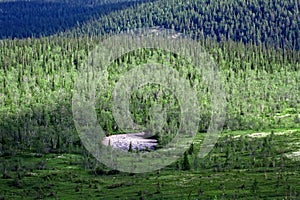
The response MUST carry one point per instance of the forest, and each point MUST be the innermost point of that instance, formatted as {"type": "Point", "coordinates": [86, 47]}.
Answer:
{"type": "Point", "coordinates": [255, 45]}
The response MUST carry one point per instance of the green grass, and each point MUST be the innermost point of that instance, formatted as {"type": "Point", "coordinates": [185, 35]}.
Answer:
{"type": "Point", "coordinates": [65, 176]}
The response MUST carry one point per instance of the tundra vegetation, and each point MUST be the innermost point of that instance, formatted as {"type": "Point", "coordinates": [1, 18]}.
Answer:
{"type": "Point", "coordinates": [255, 45]}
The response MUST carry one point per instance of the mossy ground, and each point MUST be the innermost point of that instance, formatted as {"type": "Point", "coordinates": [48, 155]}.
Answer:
{"type": "Point", "coordinates": [237, 168]}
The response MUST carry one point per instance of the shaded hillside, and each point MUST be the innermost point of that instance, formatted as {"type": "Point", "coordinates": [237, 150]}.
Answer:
{"type": "Point", "coordinates": [21, 19]}
{"type": "Point", "coordinates": [272, 22]}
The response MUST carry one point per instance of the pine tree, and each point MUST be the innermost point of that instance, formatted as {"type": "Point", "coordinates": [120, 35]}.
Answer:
{"type": "Point", "coordinates": [191, 149]}
{"type": "Point", "coordinates": [130, 147]}
{"type": "Point", "coordinates": [186, 163]}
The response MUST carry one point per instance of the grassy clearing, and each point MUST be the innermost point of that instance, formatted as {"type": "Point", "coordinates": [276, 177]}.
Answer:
{"type": "Point", "coordinates": [238, 168]}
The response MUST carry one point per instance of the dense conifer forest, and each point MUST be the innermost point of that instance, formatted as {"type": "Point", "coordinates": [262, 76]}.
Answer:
{"type": "Point", "coordinates": [255, 45]}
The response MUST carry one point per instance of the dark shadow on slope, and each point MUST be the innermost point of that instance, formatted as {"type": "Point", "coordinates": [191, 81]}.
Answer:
{"type": "Point", "coordinates": [21, 19]}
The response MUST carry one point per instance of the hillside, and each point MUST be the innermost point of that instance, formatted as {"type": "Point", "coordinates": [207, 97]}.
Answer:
{"type": "Point", "coordinates": [22, 19]}
{"type": "Point", "coordinates": [255, 45]}
{"type": "Point", "coordinates": [272, 22]}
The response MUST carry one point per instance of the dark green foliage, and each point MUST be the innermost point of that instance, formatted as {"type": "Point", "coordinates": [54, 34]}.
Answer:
{"type": "Point", "coordinates": [191, 149]}
{"type": "Point", "coordinates": [63, 174]}
{"type": "Point", "coordinates": [23, 19]}
{"type": "Point", "coordinates": [271, 23]}
{"type": "Point", "coordinates": [255, 45]}
{"type": "Point", "coordinates": [254, 186]}
{"type": "Point", "coordinates": [186, 163]}
{"type": "Point", "coordinates": [130, 147]}
{"type": "Point", "coordinates": [255, 78]}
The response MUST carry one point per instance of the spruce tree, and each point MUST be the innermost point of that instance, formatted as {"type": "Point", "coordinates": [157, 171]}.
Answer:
{"type": "Point", "coordinates": [130, 147]}
{"type": "Point", "coordinates": [186, 163]}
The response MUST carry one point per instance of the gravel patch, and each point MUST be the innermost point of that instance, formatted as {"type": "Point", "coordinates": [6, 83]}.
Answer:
{"type": "Point", "coordinates": [294, 155]}
{"type": "Point", "coordinates": [137, 140]}
{"type": "Point", "coordinates": [265, 134]}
